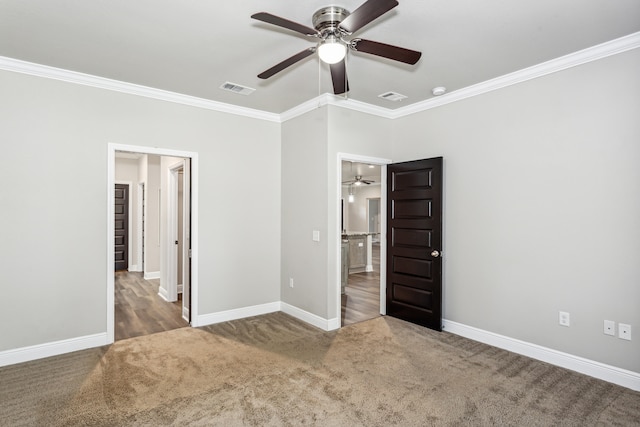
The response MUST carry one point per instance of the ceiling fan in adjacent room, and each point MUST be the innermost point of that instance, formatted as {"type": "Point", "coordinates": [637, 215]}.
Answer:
{"type": "Point", "coordinates": [358, 181]}
{"type": "Point", "coordinates": [333, 27]}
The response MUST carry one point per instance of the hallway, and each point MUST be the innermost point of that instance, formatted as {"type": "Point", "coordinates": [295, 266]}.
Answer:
{"type": "Point", "coordinates": [361, 300]}
{"type": "Point", "coordinates": [139, 310]}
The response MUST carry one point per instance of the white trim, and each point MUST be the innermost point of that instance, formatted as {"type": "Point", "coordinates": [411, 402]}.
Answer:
{"type": "Point", "coordinates": [171, 249]}
{"type": "Point", "coordinates": [139, 228]}
{"type": "Point", "coordinates": [237, 313]}
{"type": "Point", "coordinates": [11, 64]}
{"type": "Point", "coordinates": [40, 351]}
{"type": "Point", "coordinates": [592, 368]}
{"type": "Point", "coordinates": [163, 293]}
{"type": "Point", "coordinates": [594, 53]}
{"type": "Point", "coordinates": [383, 227]}
{"type": "Point", "coordinates": [150, 275]}
{"type": "Point", "coordinates": [111, 152]}
{"type": "Point", "coordinates": [111, 174]}
{"type": "Point", "coordinates": [133, 267]}
{"type": "Point", "coordinates": [310, 318]}
{"type": "Point", "coordinates": [339, 101]}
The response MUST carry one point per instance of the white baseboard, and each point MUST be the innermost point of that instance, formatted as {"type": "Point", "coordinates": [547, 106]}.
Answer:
{"type": "Point", "coordinates": [26, 354]}
{"type": "Point", "coordinates": [185, 313]}
{"type": "Point", "coordinates": [237, 313]}
{"type": "Point", "coordinates": [150, 275]}
{"type": "Point", "coordinates": [133, 268]}
{"type": "Point", "coordinates": [163, 293]}
{"type": "Point", "coordinates": [180, 288]}
{"type": "Point", "coordinates": [312, 319]}
{"type": "Point", "coordinates": [592, 368]}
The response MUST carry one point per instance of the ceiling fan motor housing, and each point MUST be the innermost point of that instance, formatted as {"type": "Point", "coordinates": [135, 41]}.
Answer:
{"type": "Point", "coordinates": [326, 20]}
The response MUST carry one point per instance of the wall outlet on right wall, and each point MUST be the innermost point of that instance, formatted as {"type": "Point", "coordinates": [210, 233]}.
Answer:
{"type": "Point", "coordinates": [564, 318]}
{"type": "Point", "coordinates": [624, 331]}
{"type": "Point", "coordinates": [610, 327]}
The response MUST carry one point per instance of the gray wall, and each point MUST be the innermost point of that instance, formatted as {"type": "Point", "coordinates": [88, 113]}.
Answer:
{"type": "Point", "coordinates": [310, 199]}
{"type": "Point", "coordinates": [152, 219]}
{"type": "Point", "coordinates": [304, 209]}
{"type": "Point", "coordinates": [55, 202]}
{"type": "Point", "coordinates": [542, 206]}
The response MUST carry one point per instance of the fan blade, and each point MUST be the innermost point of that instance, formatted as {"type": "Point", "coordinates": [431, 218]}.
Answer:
{"type": "Point", "coordinates": [287, 63]}
{"type": "Point", "coordinates": [367, 12]}
{"type": "Point", "coordinates": [386, 51]}
{"type": "Point", "coordinates": [284, 23]}
{"type": "Point", "coordinates": [339, 77]}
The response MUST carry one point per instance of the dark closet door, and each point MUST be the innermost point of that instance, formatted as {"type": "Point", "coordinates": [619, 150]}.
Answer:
{"type": "Point", "coordinates": [121, 227]}
{"type": "Point", "coordinates": [414, 242]}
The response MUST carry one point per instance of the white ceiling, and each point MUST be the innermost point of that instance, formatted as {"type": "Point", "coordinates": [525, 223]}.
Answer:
{"type": "Point", "coordinates": [192, 47]}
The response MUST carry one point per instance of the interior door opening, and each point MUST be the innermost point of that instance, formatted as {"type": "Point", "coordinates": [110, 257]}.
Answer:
{"type": "Point", "coordinates": [138, 302]}
{"type": "Point", "coordinates": [361, 271]}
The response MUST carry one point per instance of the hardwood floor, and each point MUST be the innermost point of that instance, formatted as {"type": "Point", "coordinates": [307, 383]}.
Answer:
{"type": "Point", "coordinates": [361, 300]}
{"type": "Point", "coordinates": [139, 310]}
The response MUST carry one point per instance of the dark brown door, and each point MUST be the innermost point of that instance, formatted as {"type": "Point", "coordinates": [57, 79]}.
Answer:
{"type": "Point", "coordinates": [121, 227]}
{"type": "Point", "coordinates": [414, 242]}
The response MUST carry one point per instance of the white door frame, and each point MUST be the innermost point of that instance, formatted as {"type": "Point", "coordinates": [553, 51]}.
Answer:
{"type": "Point", "coordinates": [186, 239]}
{"type": "Point", "coordinates": [111, 155]}
{"type": "Point", "coordinates": [383, 227]}
{"type": "Point", "coordinates": [170, 281]}
{"type": "Point", "coordinates": [142, 213]}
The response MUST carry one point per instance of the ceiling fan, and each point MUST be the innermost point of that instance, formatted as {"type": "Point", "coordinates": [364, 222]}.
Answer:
{"type": "Point", "coordinates": [333, 26]}
{"type": "Point", "coordinates": [358, 181]}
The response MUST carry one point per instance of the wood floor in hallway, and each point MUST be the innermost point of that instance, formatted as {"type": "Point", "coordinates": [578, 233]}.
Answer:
{"type": "Point", "coordinates": [361, 300]}
{"type": "Point", "coordinates": [139, 310]}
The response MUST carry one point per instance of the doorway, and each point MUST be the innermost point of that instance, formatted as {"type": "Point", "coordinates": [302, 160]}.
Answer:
{"type": "Point", "coordinates": [157, 235]}
{"type": "Point", "coordinates": [361, 284]}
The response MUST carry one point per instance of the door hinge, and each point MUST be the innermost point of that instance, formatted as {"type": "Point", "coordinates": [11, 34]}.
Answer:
{"type": "Point", "coordinates": [189, 253]}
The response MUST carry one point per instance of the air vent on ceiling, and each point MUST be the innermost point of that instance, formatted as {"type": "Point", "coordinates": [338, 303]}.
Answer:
{"type": "Point", "coordinates": [232, 87]}
{"type": "Point", "coordinates": [392, 96]}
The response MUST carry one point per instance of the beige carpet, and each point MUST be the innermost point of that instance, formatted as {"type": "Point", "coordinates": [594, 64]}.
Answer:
{"type": "Point", "coordinates": [274, 370]}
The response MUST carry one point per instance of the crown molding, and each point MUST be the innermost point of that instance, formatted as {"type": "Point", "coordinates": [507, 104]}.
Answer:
{"type": "Point", "coordinates": [338, 101]}
{"type": "Point", "coordinates": [305, 107]}
{"type": "Point", "coordinates": [613, 47]}
{"type": "Point", "coordinates": [24, 67]}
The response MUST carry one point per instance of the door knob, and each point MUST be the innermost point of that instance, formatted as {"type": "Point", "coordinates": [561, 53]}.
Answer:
{"type": "Point", "coordinates": [435, 254]}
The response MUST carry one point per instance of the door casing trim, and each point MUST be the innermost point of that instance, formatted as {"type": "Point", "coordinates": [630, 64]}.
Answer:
{"type": "Point", "coordinates": [111, 155]}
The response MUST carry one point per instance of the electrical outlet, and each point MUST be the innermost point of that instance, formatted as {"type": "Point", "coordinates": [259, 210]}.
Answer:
{"type": "Point", "coordinates": [610, 327]}
{"type": "Point", "coordinates": [624, 331]}
{"type": "Point", "coordinates": [564, 318]}
{"type": "Point", "coordinates": [291, 282]}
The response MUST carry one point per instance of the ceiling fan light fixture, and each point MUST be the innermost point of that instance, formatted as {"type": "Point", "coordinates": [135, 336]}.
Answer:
{"type": "Point", "coordinates": [351, 198]}
{"type": "Point", "coordinates": [331, 50]}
